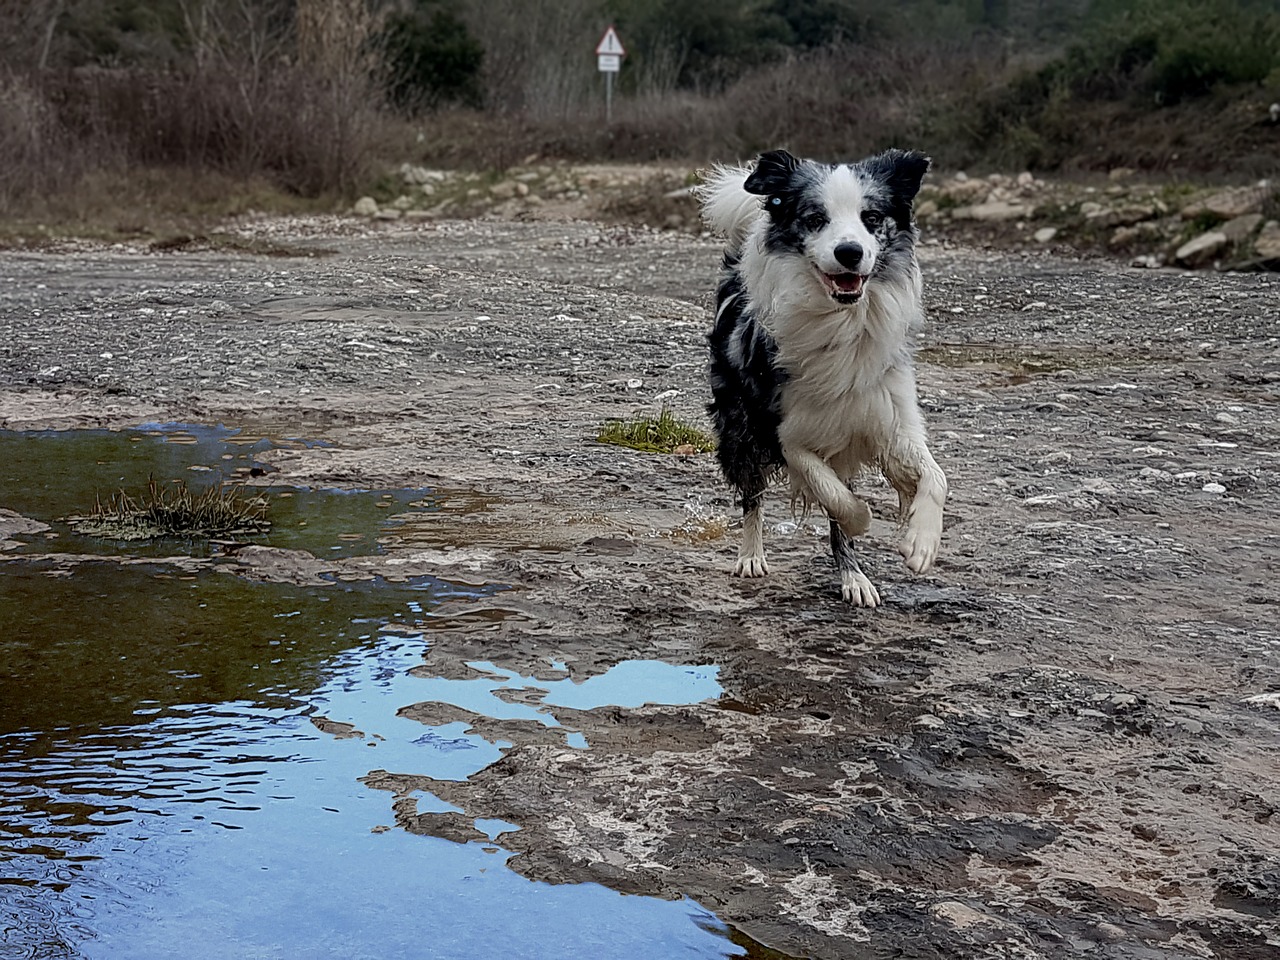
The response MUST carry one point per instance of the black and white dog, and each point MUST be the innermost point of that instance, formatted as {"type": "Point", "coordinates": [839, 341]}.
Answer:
{"type": "Point", "coordinates": [811, 354]}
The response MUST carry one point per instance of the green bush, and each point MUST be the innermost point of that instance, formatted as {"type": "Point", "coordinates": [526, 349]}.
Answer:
{"type": "Point", "coordinates": [1173, 50]}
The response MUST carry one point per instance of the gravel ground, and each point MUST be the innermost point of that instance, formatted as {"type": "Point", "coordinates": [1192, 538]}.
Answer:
{"type": "Point", "coordinates": [1064, 742]}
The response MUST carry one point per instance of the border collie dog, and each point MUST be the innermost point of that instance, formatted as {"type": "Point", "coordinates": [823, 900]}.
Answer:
{"type": "Point", "coordinates": [811, 356]}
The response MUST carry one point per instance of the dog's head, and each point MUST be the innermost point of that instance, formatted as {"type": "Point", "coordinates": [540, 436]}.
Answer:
{"type": "Point", "coordinates": [851, 222]}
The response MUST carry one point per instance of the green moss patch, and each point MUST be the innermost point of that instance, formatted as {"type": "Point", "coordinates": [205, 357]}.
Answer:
{"type": "Point", "coordinates": [664, 433]}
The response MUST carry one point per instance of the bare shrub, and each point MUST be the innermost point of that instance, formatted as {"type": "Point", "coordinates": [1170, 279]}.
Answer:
{"type": "Point", "coordinates": [259, 95]}
{"type": "Point", "coordinates": [841, 101]}
{"type": "Point", "coordinates": [537, 55]}
{"type": "Point", "coordinates": [37, 156]}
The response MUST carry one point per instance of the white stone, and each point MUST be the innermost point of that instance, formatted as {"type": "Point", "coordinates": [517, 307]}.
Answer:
{"type": "Point", "coordinates": [1202, 249]}
{"type": "Point", "coordinates": [1045, 234]}
{"type": "Point", "coordinates": [365, 207]}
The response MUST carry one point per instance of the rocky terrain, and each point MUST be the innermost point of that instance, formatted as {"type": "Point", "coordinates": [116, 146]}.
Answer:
{"type": "Point", "coordinates": [1140, 222]}
{"type": "Point", "coordinates": [1062, 743]}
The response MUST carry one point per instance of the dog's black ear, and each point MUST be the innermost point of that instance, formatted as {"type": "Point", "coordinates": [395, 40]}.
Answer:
{"type": "Point", "coordinates": [772, 173]}
{"type": "Point", "coordinates": [902, 170]}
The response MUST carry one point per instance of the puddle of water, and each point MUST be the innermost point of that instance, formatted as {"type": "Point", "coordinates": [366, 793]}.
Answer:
{"type": "Point", "coordinates": [51, 475]}
{"type": "Point", "coordinates": [631, 683]}
{"type": "Point", "coordinates": [165, 779]}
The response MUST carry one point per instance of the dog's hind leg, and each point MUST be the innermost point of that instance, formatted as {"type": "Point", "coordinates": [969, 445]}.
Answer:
{"type": "Point", "coordinates": [751, 562]}
{"type": "Point", "coordinates": [854, 585]}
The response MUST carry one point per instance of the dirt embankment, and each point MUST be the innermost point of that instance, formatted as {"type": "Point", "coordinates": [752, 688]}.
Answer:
{"type": "Point", "coordinates": [1062, 743]}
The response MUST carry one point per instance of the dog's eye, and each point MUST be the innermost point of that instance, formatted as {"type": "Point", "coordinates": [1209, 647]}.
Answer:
{"type": "Point", "coordinates": [873, 219]}
{"type": "Point", "coordinates": [814, 221]}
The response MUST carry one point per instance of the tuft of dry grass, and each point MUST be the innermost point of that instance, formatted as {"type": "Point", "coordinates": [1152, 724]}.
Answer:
{"type": "Point", "coordinates": [173, 510]}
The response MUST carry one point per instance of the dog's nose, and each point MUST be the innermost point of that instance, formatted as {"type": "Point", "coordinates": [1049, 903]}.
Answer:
{"type": "Point", "coordinates": [849, 255]}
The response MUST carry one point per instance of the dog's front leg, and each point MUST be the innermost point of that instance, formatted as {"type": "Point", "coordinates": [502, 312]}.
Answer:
{"type": "Point", "coordinates": [819, 482]}
{"type": "Point", "coordinates": [854, 585]}
{"type": "Point", "coordinates": [922, 491]}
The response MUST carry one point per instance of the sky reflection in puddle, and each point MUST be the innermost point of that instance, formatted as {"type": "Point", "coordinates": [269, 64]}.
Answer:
{"type": "Point", "coordinates": [149, 827]}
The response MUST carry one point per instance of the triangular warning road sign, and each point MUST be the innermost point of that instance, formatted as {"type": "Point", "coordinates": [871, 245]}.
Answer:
{"type": "Point", "coordinates": [610, 44]}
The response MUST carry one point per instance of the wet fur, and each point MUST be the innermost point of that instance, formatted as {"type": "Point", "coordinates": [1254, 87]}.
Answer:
{"type": "Point", "coordinates": [811, 362]}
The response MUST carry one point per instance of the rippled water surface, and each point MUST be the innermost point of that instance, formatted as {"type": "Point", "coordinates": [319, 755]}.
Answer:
{"type": "Point", "coordinates": [168, 787]}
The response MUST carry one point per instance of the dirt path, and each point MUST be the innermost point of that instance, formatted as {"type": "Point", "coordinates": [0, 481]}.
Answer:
{"type": "Point", "coordinates": [1064, 743]}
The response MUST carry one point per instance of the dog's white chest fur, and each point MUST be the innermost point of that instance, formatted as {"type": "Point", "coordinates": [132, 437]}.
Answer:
{"type": "Point", "coordinates": [849, 368]}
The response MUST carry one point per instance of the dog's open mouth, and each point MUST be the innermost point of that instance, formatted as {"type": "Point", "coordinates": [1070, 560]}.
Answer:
{"type": "Point", "coordinates": [844, 287]}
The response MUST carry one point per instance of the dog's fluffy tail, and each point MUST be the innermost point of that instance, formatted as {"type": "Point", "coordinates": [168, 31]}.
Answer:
{"type": "Point", "coordinates": [727, 209]}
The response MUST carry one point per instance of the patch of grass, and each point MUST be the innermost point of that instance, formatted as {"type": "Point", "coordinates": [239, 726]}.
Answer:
{"type": "Point", "coordinates": [661, 434]}
{"type": "Point", "coordinates": [174, 511]}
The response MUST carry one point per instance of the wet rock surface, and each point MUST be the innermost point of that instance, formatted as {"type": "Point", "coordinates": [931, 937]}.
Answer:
{"type": "Point", "coordinates": [1058, 744]}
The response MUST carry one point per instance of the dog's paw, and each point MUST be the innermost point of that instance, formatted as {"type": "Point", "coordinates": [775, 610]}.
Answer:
{"type": "Point", "coordinates": [858, 590]}
{"type": "Point", "coordinates": [919, 548]}
{"type": "Point", "coordinates": [753, 566]}
{"type": "Point", "coordinates": [857, 520]}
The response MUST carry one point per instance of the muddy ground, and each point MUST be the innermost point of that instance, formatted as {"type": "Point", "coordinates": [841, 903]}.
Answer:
{"type": "Point", "coordinates": [1063, 742]}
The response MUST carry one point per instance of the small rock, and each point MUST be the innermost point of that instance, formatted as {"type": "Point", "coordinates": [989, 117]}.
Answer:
{"type": "Point", "coordinates": [1241, 228]}
{"type": "Point", "coordinates": [685, 450]}
{"type": "Point", "coordinates": [522, 189]}
{"type": "Point", "coordinates": [1123, 216]}
{"type": "Point", "coordinates": [994, 212]}
{"type": "Point", "coordinates": [1202, 249]}
{"type": "Point", "coordinates": [1267, 245]}
{"type": "Point", "coordinates": [1045, 234]}
{"type": "Point", "coordinates": [1098, 485]}
{"type": "Point", "coordinates": [1026, 178]}
{"type": "Point", "coordinates": [1124, 237]}
{"type": "Point", "coordinates": [1227, 204]}
{"type": "Point", "coordinates": [926, 209]}
{"type": "Point", "coordinates": [966, 189]}
{"type": "Point", "coordinates": [1090, 208]}
{"type": "Point", "coordinates": [1214, 488]}
{"type": "Point", "coordinates": [389, 214]}
{"type": "Point", "coordinates": [1116, 174]}
{"type": "Point", "coordinates": [365, 207]}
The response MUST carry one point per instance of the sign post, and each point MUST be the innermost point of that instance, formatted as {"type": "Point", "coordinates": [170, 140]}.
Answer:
{"type": "Point", "coordinates": [609, 54]}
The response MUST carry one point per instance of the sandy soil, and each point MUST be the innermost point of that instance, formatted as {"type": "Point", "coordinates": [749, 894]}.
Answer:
{"type": "Point", "coordinates": [1063, 742]}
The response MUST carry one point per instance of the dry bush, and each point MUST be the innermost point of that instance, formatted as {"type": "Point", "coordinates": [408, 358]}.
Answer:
{"type": "Point", "coordinates": [840, 102]}
{"type": "Point", "coordinates": [535, 63]}
{"type": "Point", "coordinates": [261, 95]}
{"type": "Point", "coordinates": [38, 155]}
